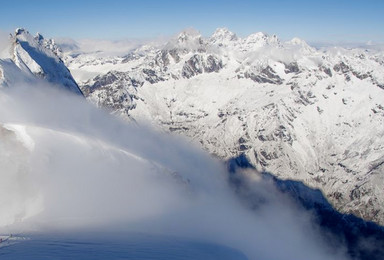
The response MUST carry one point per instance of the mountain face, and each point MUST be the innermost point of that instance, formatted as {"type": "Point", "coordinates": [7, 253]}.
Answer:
{"type": "Point", "coordinates": [300, 113]}
{"type": "Point", "coordinates": [31, 58]}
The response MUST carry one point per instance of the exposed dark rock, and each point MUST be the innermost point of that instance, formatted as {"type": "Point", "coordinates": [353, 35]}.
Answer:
{"type": "Point", "coordinates": [103, 80]}
{"type": "Point", "coordinates": [319, 110]}
{"type": "Point", "coordinates": [130, 57]}
{"type": "Point", "coordinates": [151, 76]}
{"type": "Point", "coordinates": [242, 140]}
{"type": "Point", "coordinates": [282, 133]}
{"type": "Point", "coordinates": [361, 75]}
{"type": "Point", "coordinates": [198, 64]}
{"type": "Point", "coordinates": [175, 55]}
{"type": "Point", "coordinates": [243, 147]}
{"type": "Point", "coordinates": [266, 75]}
{"type": "Point", "coordinates": [292, 67]}
{"type": "Point", "coordinates": [304, 98]}
{"type": "Point", "coordinates": [341, 68]}
{"type": "Point", "coordinates": [326, 71]}
{"type": "Point", "coordinates": [175, 129]}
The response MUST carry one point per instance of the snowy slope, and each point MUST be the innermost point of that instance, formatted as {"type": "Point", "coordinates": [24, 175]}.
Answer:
{"type": "Point", "coordinates": [297, 112]}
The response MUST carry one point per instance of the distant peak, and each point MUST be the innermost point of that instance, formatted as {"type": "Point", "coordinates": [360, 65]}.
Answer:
{"type": "Point", "coordinates": [188, 34]}
{"type": "Point", "coordinates": [188, 39]}
{"type": "Point", "coordinates": [297, 41]}
{"type": "Point", "coordinates": [257, 36]}
{"type": "Point", "coordinates": [261, 39]}
{"type": "Point", "coordinates": [221, 34]}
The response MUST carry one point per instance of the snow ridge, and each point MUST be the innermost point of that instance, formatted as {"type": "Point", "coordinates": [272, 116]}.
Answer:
{"type": "Point", "coordinates": [36, 58]}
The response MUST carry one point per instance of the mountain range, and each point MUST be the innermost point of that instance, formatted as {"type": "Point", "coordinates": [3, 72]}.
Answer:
{"type": "Point", "coordinates": [300, 113]}
{"type": "Point", "coordinates": [311, 119]}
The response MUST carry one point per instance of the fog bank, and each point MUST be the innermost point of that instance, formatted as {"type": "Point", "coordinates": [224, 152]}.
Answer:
{"type": "Point", "coordinates": [68, 166]}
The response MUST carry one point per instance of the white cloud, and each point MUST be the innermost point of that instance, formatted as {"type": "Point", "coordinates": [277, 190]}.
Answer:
{"type": "Point", "coordinates": [87, 170]}
{"type": "Point", "coordinates": [104, 48]}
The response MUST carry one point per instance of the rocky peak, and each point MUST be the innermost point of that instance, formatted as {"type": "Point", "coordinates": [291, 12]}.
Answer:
{"type": "Point", "coordinates": [22, 35]}
{"type": "Point", "coordinates": [189, 39]}
{"type": "Point", "coordinates": [260, 39]}
{"type": "Point", "coordinates": [188, 35]}
{"type": "Point", "coordinates": [222, 36]}
{"type": "Point", "coordinates": [20, 31]}
{"type": "Point", "coordinates": [297, 42]}
{"type": "Point", "coordinates": [37, 57]}
{"type": "Point", "coordinates": [39, 37]}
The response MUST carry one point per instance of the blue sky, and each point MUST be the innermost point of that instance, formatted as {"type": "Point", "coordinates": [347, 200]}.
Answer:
{"type": "Point", "coordinates": [314, 21]}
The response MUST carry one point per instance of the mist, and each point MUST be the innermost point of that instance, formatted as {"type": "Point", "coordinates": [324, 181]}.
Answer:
{"type": "Point", "coordinates": [4, 45]}
{"type": "Point", "coordinates": [105, 48]}
{"type": "Point", "coordinates": [69, 166]}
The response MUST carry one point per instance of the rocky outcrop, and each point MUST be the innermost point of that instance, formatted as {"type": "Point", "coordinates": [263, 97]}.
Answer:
{"type": "Point", "coordinates": [199, 64]}
{"type": "Point", "coordinates": [266, 75]}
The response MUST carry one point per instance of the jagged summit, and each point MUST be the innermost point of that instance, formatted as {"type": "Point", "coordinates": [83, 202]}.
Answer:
{"type": "Point", "coordinates": [36, 57]}
{"type": "Point", "coordinates": [297, 41]}
{"type": "Point", "coordinates": [20, 31]}
{"type": "Point", "coordinates": [300, 43]}
{"type": "Point", "coordinates": [39, 37]}
{"type": "Point", "coordinates": [187, 35]}
{"type": "Point", "coordinates": [260, 39]}
{"type": "Point", "coordinates": [188, 39]}
{"type": "Point", "coordinates": [222, 36]}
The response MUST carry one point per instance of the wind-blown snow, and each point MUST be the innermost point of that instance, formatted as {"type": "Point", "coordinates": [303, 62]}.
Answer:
{"type": "Point", "coordinates": [89, 171]}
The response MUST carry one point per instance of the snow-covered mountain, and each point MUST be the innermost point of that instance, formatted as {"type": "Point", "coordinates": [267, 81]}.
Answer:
{"type": "Point", "coordinates": [298, 112]}
{"type": "Point", "coordinates": [66, 165]}
{"type": "Point", "coordinates": [32, 57]}
{"type": "Point", "coordinates": [69, 168]}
